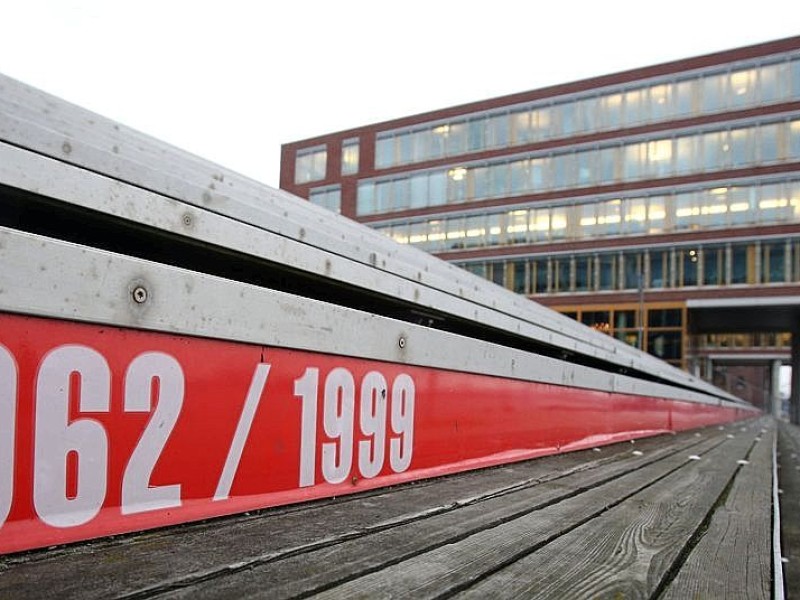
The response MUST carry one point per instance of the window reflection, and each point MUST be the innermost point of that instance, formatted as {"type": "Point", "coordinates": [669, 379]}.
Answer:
{"type": "Point", "coordinates": [700, 208]}
{"type": "Point", "coordinates": [587, 167]}
{"type": "Point", "coordinates": [704, 93]}
{"type": "Point", "coordinates": [711, 265]}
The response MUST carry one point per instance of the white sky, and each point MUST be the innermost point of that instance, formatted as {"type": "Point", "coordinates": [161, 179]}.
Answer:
{"type": "Point", "coordinates": [231, 81]}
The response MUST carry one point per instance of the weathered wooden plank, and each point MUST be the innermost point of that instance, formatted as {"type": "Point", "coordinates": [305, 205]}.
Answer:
{"type": "Point", "coordinates": [314, 571]}
{"type": "Point", "coordinates": [789, 483]}
{"type": "Point", "coordinates": [627, 551]}
{"type": "Point", "coordinates": [467, 559]}
{"type": "Point", "coordinates": [733, 558]}
{"type": "Point", "coordinates": [178, 556]}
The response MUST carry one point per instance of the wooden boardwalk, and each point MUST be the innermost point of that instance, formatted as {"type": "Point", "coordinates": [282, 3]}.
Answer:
{"type": "Point", "coordinates": [676, 516]}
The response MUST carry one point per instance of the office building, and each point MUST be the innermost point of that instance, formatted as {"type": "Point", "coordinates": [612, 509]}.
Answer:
{"type": "Point", "coordinates": [660, 205]}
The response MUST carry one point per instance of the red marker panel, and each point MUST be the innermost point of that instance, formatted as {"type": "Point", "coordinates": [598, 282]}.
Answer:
{"type": "Point", "coordinates": [106, 430]}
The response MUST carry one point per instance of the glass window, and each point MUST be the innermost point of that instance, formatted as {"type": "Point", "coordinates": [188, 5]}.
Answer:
{"type": "Point", "coordinates": [739, 264]}
{"type": "Point", "coordinates": [539, 276]}
{"type": "Point", "coordinates": [404, 148]}
{"type": "Point", "coordinates": [437, 184]}
{"type": "Point", "coordinates": [607, 275]}
{"type": "Point", "coordinates": [665, 317]}
{"type": "Point", "coordinates": [608, 159]}
{"type": "Point", "coordinates": [365, 198]}
{"type": "Point", "coordinates": [768, 138]}
{"type": "Point", "coordinates": [497, 131]}
{"type": "Point", "coordinates": [383, 196]}
{"type": "Point", "coordinates": [455, 233]}
{"type": "Point", "coordinates": [714, 93]}
{"type": "Point", "coordinates": [495, 230]}
{"type": "Point", "coordinates": [625, 319]}
{"type": "Point", "coordinates": [418, 190]}
{"type": "Point", "coordinates": [713, 261]}
{"type": "Point", "coordinates": [499, 176]}
{"type": "Point", "coordinates": [795, 68]}
{"type": "Point", "coordinates": [772, 83]}
{"type": "Point", "coordinates": [520, 181]}
{"type": "Point", "coordinates": [659, 158]}
{"type": "Point", "coordinates": [599, 319]}
{"type": "Point", "coordinates": [635, 159]}
{"type": "Point", "coordinates": [350, 157]}
{"type": "Point", "coordinates": [687, 154]}
{"type": "Point", "coordinates": [775, 205]}
{"type": "Point", "coordinates": [659, 262]}
{"type": "Point", "coordinates": [687, 210]}
{"type": "Point", "coordinates": [583, 273]}
{"type": "Point", "coordinates": [517, 227]}
{"type": "Point", "coordinates": [773, 265]}
{"type": "Point", "coordinates": [609, 217]}
{"type": "Point", "coordinates": [558, 222]}
{"type": "Point", "coordinates": [521, 130]}
{"type": "Point", "coordinates": [422, 145]}
{"type": "Point", "coordinates": [384, 152]}
{"type": "Point", "coordinates": [635, 215]}
{"type": "Point", "coordinates": [587, 115]}
{"type": "Point", "coordinates": [457, 185]}
{"type": "Point", "coordinates": [401, 194]}
{"type": "Point", "coordinates": [794, 139]}
{"type": "Point", "coordinates": [330, 198]}
{"type": "Point", "coordinates": [713, 150]}
{"type": "Point", "coordinates": [518, 276]}
{"type": "Point", "coordinates": [540, 123]}
{"type": "Point", "coordinates": [584, 164]}
{"type": "Point", "coordinates": [539, 167]}
{"type": "Point", "coordinates": [568, 118]}
{"type": "Point", "coordinates": [561, 272]}
{"type": "Point", "coordinates": [666, 345]}
{"type": "Point", "coordinates": [689, 259]}
{"type": "Point", "coordinates": [476, 135]}
{"type": "Point", "coordinates": [741, 203]}
{"type": "Point", "coordinates": [539, 224]}
{"type": "Point", "coordinates": [563, 170]}
{"type": "Point", "coordinates": [656, 214]}
{"type": "Point", "coordinates": [434, 141]}
{"type": "Point", "coordinates": [479, 179]}
{"type": "Point", "coordinates": [475, 227]}
{"type": "Point", "coordinates": [437, 235]}
{"type": "Point", "coordinates": [635, 109]}
{"type": "Point", "coordinates": [741, 147]}
{"type": "Point", "coordinates": [742, 87]}
{"type": "Point", "coordinates": [632, 271]}
{"type": "Point", "coordinates": [611, 111]}
{"type": "Point", "coordinates": [310, 164]}
{"type": "Point", "coordinates": [660, 101]}
{"type": "Point", "coordinates": [456, 138]}
{"type": "Point", "coordinates": [498, 273]}
{"type": "Point", "coordinates": [684, 97]}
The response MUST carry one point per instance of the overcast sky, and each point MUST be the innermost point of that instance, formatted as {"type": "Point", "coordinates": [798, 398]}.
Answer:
{"type": "Point", "coordinates": [231, 81]}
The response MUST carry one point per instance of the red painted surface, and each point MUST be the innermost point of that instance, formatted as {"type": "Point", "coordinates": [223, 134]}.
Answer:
{"type": "Point", "coordinates": [79, 432]}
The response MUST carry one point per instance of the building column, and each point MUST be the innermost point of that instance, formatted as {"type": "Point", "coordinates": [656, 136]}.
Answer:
{"type": "Point", "coordinates": [775, 389]}
{"type": "Point", "coordinates": [794, 398]}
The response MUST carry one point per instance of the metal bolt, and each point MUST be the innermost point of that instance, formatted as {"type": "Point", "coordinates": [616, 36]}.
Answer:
{"type": "Point", "coordinates": [187, 220]}
{"type": "Point", "coordinates": [402, 342]}
{"type": "Point", "coordinates": [139, 295]}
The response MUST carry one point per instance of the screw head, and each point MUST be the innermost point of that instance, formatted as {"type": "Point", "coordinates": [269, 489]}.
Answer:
{"type": "Point", "coordinates": [187, 220]}
{"type": "Point", "coordinates": [139, 294]}
{"type": "Point", "coordinates": [401, 342]}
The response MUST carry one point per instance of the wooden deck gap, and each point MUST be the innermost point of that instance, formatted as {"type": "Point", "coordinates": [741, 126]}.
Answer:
{"type": "Point", "coordinates": [254, 562]}
{"type": "Point", "coordinates": [675, 568]}
{"type": "Point", "coordinates": [528, 551]}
